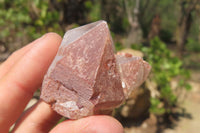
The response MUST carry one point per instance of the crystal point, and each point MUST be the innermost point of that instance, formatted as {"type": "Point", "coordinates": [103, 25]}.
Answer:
{"type": "Point", "coordinates": [85, 78]}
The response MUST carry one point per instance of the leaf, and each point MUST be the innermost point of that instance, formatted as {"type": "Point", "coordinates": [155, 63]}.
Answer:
{"type": "Point", "coordinates": [188, 87]}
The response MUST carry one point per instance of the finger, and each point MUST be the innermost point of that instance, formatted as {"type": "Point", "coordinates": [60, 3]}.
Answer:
{"type": "Point", "coordinates": [15, 57]}
{"type": "Point", "coordinates": [25, 77]}
{"type": "Point", "coordinates": [92, 124]}
{"type": "Point", "coordinates": [38, 119]}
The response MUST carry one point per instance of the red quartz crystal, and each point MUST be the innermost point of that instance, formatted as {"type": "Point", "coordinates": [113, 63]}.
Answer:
{"type": "Point", "coordinates": [134, 71]}
{"type": "Point", "coordinates": [86, 77]}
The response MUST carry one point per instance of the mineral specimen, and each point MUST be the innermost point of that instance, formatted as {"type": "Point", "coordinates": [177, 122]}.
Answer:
{"type": "Point", "coordinates": [134, 71]}
{"type": "Point", "coordinates": [86, 77]}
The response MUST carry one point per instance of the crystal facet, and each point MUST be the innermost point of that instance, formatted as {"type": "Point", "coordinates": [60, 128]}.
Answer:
{"type": "Point", "coordinates": [86, 77]}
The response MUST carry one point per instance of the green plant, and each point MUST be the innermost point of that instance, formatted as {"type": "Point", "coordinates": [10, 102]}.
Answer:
{"type": "Point", "coordinates": [118, 46]}
{"type": "Point", "coordinates": [26, 20]}
{"type": "Point", "coordinates": [166, 35]}
{"type": "Point", "coordinates": [192, 45]}
{"type": "Point", "coordinates": [165, 68]}
{"type": "Point", "coordinates": [95, 12]}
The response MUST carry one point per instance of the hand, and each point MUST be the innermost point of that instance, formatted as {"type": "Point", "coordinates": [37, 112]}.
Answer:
{"type": "Point", "coordinates": [20, 75]}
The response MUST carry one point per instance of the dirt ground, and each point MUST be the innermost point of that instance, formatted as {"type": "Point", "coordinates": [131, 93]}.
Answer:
{"type": "Point", "coordinates": [189, 122]}
{"type": "Point", "coordinates": [192, 106]}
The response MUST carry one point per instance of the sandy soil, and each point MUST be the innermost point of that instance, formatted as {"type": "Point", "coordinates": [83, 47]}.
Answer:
{"type": "Point", "coordinates": [189, 122]}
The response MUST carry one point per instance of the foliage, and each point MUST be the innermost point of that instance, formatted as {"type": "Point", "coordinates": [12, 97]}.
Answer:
{"type": "Point", "coordinates": [95, 12]}
{"type": "Point", "coordinates": [26, 19]}
{"type": "Point", "coordinates": [165, 9]}
{"type": "Point", "coordinates": [166, 35]}
{"type": "Point", "coordinates": [192, 45]}
{"type": "Point", "coordinates": [118, 46]}
{"type": "Point", "coordinates": [165, 67]}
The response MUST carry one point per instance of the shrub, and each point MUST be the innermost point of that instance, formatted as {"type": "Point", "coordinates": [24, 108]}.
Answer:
{"type": "Point", "coordinates": [165, 68]}
{"type": "Point", "coordinates": [192, 45]}
{"type": "Point", "coordinates": [26, 20]}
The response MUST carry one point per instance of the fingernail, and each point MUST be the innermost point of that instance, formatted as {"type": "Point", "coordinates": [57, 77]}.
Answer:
{"type": "Point", "coordinates": [40, 39]}
{"type": "Point", "coordinates": [44, 36]}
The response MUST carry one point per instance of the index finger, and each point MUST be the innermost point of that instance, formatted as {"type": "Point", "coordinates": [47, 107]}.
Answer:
{"type": "Point", "coordinates": [15, 57]}
{"type": "Point", "coordinates": [18, 85]}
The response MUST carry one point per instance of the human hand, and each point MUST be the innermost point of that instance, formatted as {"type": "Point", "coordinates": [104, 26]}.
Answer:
{"type": "Point", "coordinates": [20, 75]}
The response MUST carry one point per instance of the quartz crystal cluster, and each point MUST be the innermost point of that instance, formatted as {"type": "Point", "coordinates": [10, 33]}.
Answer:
{"type": "Point", "coordinates": [86, 77]}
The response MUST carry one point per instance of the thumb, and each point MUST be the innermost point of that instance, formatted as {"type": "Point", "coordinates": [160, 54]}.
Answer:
{"type": "Point", "coordinates": [91, 124]}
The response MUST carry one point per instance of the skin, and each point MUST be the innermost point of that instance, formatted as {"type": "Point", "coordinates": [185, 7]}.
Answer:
{"type": "Point", "coordinates": [20, 76]}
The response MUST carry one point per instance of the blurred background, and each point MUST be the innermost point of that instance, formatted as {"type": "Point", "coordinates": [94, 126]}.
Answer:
{"type": "Point", "coordinates": [165, 33]}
